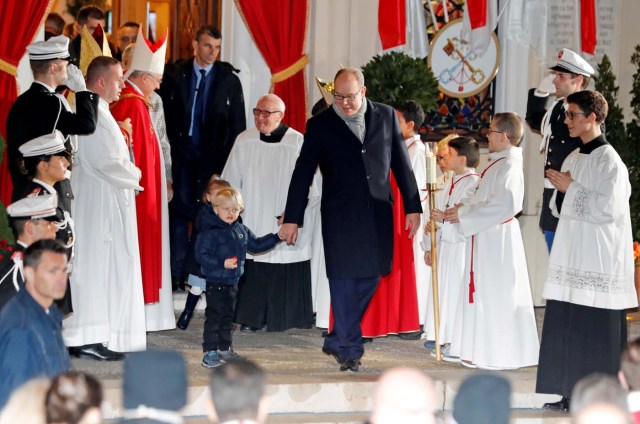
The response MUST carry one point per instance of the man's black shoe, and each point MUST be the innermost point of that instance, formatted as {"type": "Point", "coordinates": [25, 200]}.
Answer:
{"type": "Point", "coordinates": [98, 352]}
{"type": "Point", "coordinates": [415, 335]}
{"type": "Point", "coordinates": [335, 355]}
{"type": "Point", "coordinates": [351, 364]}
{"type": "Point", "coordinates": [561, 405]}
{"type": "Point", "coordinates": [248, 328]}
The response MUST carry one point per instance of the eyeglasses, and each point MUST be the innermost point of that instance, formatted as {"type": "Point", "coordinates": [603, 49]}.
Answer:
{"type": "Point", "coordinates": [158, 80]}
{"type": "Point", "coordinates": [570, 115]}
{"type": "Point", "coordinates": [499, 132]}
{"type": "Point", "coordinates": [350, 98]}
{"type": "Point", "coordinates": [264, 113]}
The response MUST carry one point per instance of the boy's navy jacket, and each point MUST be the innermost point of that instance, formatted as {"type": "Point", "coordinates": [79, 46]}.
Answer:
{"type": "Point", "coordinates": [218, 241]}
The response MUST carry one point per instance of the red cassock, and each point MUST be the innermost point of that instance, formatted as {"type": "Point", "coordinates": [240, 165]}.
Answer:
{"type": "Point", "coordinates": [146, 152]}
{"type": "Point", "coordinates": [394, 306]}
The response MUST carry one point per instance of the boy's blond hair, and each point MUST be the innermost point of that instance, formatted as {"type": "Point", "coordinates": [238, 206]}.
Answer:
{"type": "Point", "coordinates": [511, 124]}
{"type": "Point", "coordinates": [230, 194]}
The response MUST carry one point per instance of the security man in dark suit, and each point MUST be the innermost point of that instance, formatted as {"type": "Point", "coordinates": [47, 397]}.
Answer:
{"type": "Point", "coordinates": [33, 219]}
{"type": "Point", "coordinates": [40, 110]}
{"type": "Point", "coordinates": [204, 111]}
{"type": "Point", "coordinates": [571, 74]}
{"type": "Point", "coordinates": [356, 143]}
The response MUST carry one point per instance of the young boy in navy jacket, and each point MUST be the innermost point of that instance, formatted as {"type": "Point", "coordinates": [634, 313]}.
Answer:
{"type": "Point", "coordinates": [220, 250]}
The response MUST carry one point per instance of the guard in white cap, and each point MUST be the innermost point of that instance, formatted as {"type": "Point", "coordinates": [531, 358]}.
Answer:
{"type": "Point", "coordinates": [570, 74]}
{"type": "Point", "coordinates": [32, 219]}
{"type": "Point", "coordinates": [40, 110]}
{"type": "Point", "coordinates": [46, 162]}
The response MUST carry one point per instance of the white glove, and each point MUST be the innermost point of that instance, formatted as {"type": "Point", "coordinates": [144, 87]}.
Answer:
{"type": "Point", "coordinates": [546, 86]}
{"type": "Point", "coordinates": [75, 79]}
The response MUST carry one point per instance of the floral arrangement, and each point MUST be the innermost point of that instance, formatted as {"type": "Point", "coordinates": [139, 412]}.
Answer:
{"type": "Point", "coordinates": [636, 253]}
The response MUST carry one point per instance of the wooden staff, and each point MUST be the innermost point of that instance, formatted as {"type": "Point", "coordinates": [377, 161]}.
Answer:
{"type": "Point", "coordinates": [432, 188]}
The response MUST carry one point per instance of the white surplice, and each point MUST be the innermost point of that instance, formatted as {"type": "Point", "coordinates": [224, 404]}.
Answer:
{"type": "Point", "coordinates": [106, 282]}
{"type": "Point", "coordinates": [591, 262]}
{"type": "Point", "coordinates": [451, 250]}
{"type": "Point", "coordinates": [250, 160]}
{"type": "Point", "coordinates": [417, 155]}
{"type": "Point", "coordinates": [160, 316]}
{"type": "Point", "coordinates": [499, 327]}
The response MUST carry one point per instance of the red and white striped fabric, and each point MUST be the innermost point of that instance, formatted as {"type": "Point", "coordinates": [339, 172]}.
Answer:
{"type": "Point", "coordinates": [480, 20]}
{"type": "Point", "coordinates": [402, 26]}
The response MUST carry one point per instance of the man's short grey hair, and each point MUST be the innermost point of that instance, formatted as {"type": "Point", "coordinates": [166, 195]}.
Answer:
{"type": "Point", "coordinates": [236, 388]}
{"type": "Point", "coordinates": [356, 72]}
{"type": "Point", "coordinates": [597, 388]}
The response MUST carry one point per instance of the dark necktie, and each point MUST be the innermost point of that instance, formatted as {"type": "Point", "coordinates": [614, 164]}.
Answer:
{"type": "Point", "coordinates": [198, 111]}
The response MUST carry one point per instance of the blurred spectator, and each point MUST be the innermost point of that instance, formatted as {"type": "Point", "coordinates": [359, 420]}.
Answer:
{"type": "Point", "coordinates": [404, 395]}
{"type": "Point", "coordinates": [53, 25]}
{"type": "Point", "coordinates": [74, 398]}
{"type": "Point", "coordinates": [237, 390]}
{"type": "Point", "coordinates": [600, 413]}
{"type": "Point", "coordinates": [483, 399]}
{"type": "Point", "coordinates": [154, 387]}
{"type": "Point", "coordinates": [597, 388]}
{"type": "Point", "coordinates": [629, 376]}
{"type": "Point", "coordinates": [26, 405]}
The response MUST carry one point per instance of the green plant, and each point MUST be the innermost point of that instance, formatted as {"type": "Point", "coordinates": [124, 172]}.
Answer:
{"type": "Point", "coordinates": [395, 77]}
{"type": "Point", "coordinates": [605, 83]}
{"type": "Point", "coordinates": [633, 137]}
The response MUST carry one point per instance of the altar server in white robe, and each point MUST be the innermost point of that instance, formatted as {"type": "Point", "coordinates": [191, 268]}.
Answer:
{"type": "Point", "coordinates": [590, 281]}
{"type": "Point", "coordinates": [411, 118]}
{"type": "Point", "coordinates": [276, 291]}
{"type": "Point", "coordinates": [499, 326]}
{"type": "Point", "coordinates": [106, 280]}
{"type": "Point", "coordinates": [451, 249]}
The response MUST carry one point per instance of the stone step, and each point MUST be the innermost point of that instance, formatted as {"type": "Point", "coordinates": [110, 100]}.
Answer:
{"type": "Point", "coordinates": [345, 395]}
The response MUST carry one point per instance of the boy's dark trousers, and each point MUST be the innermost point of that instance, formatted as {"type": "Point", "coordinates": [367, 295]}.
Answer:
{"type": "Point", "coordinates": [218, 323]}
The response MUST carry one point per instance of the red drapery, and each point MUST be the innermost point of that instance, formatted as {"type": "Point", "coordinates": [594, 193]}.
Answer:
{"type": "Point", "coordinates": [17, 29]}
{"type": "Point", "coordinates": [588, 26]}
{"type": "Point", "coordinates": [279, 28]}
{"type": "Point", "coordinates": [392, 23]}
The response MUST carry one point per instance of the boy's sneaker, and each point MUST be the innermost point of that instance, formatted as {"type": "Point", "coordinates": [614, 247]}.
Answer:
{"type": "Point", "coordinates": [226, 355]}
{"type": "Point", "coordinates": [211, 359]}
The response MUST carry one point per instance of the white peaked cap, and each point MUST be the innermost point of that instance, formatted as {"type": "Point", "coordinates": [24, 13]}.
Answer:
{"type": "Point", "coordinates": [148, 57]}
{"type": "Point", "coordinates": [570, 61]}
{"type": "Point", "coordinates": [48, 144]}
{"type": "Point", "coordinates": [54, 48]}
{"type": "Point", "coordinates": [34, 207]}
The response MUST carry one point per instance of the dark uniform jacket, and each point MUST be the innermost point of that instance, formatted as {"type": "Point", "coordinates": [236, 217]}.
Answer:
{"type": "Point", "coordinates": [560, 145]}
{"type": "Point", "coordinates": [7, 269]}
{"type": "Point", "coordinates": [224, 119]}
{"type": "Point", "coordinates": [35, 113]}
{"type": "Point", "coordinates": [356, 206]}
{"type": "Point", "coordinates": [34, 188]}
{"type": "Point", "coordinates": [218, 241]}
{"type": "Point", "coordinates": [31, 343]}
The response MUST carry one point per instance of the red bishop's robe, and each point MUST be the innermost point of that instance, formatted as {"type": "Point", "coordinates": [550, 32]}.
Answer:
{"type": "Point", "coordinates": [146, 151]}
{"type": "Point", "coordinates": [394, 306]}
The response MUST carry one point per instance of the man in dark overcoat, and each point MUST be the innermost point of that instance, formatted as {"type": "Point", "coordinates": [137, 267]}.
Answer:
{"type": "Point", "coordinates": [356, 143]}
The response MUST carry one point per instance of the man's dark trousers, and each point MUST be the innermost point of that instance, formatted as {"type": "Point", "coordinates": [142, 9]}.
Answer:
{"type": "Point", "coordinates": [349, 300]}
